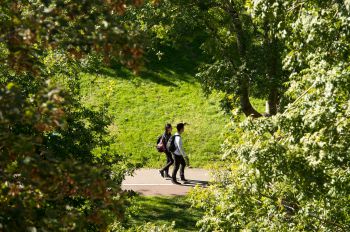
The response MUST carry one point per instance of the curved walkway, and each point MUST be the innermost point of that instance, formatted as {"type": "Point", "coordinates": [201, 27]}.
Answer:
{"type": "Point", "coordinates": [149, 182]}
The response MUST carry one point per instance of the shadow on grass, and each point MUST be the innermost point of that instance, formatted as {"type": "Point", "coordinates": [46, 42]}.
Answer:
{"type": "Point", "coordinates": [174, 67]}
{"type": "Point", "coordinates": [157, 78]}
{"type": "Point", "coordinates": [183, 61]}
{"type": "Point", "coordinates": [160, 210]}
{"type": "Point", "coordinates": [165, 77]}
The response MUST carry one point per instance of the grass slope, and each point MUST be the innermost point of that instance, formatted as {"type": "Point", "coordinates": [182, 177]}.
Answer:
{"type": "Point", "coordinates": [163, 210]}
{"type": "Point", "coordinates": [141, 105]}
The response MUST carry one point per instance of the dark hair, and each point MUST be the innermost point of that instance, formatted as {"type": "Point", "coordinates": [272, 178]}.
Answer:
{"type": "Point", "coordinates": [167, 126]}
{"type": "Point", "coordinates": [180, 126]}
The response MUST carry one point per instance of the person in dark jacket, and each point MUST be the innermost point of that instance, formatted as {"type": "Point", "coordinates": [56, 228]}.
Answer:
{"type": "Point", "coordinates": [164, 172]}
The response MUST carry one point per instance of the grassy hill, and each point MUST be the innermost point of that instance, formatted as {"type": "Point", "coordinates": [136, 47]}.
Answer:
{"type": "Point", "coordinates": [141, 105]}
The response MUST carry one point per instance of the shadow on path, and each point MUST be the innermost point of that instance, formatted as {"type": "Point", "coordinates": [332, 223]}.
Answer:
{"type": "Point", "coordinates": [149, 182]}
{"type": "Point", "coordinates": [195, 183]}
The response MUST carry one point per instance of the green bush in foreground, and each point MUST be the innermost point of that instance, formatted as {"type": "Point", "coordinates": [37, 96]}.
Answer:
{"type": "Point", "coordinates": [291, 172]}
{"type": "Point", "coordinates": [57, 172]}
{"type": "Point", "coordinates": [44, 184]}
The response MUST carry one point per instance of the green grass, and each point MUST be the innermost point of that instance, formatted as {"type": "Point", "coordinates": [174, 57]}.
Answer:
{"type": "Point", "coordinates": [163, 210]}
{"type": "Point", "coordinates": [141, 105]}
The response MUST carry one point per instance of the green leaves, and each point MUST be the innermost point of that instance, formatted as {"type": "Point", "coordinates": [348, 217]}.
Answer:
{"type": "Point", "coordinates": [52, 173]}
{"type": "Point", "coordinates": [292, 169]}
{"type": "Point", "coordinates": [29, 28]}
{"type": "Point", "coordinates": [347, 4]}
{"type": "Point", "coordinates": [51, 179]}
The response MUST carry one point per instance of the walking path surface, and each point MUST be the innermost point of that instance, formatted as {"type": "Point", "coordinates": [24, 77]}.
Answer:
{"type": "Point", "coordinates": [148, 182]}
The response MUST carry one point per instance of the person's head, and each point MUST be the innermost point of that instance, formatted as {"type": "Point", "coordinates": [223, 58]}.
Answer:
{"type": "Point", "coordinates": [180, 127]}
{"type": "Point", "coordinates": [168, 128]}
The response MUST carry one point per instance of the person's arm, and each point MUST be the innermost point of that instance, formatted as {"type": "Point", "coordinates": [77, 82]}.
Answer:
{"type": "Point", "coordinates": [187, 160]}
{"type": "Point", "coordinates": [164, 139]}
{"type": "Point", "coordinates": [164, 142]}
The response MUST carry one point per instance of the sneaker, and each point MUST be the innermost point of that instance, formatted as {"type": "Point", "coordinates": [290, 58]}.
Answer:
{"type": "Point", "coordinates": [175, 182]}
{"type": "Point", "coordinates": [166, 175]}
{"type": "Point", "coordinates": [183, 179]}
{"type": "Point", "coordinates": [161, 173]}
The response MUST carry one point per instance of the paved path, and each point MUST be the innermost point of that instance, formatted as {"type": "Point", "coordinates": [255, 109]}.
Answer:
{"type": "Point", "coordinates": [149, 182]}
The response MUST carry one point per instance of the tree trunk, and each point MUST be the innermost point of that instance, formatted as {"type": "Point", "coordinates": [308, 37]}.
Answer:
{"type": "Point", "coordinates": [272, 70]}
{"type": "Point", "coordinates": [246, 106]}
{"type": "Point", "coordinates": [272, 102]}
{"type": "Point", "coordinates": [243, 82]}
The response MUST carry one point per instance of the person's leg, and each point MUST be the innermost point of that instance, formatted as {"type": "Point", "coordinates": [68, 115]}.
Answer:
{"type": "Point", "coordinates": [165, 170]}
{"type": "Point", "coordinates": [170, 162]}
{"type": "Point", "coordinates": [182, 169]}
{"type": "Point", "coordinates": [176, 168]}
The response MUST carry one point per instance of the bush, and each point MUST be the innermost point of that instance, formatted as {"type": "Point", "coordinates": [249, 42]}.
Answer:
{"type": "Point", "coordinates": [57, 170]}
{"type": "Point", "coordinates": [290, 172]}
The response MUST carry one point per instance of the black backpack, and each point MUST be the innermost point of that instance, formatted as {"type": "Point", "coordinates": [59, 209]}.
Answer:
{"type": "Point", "coordinates": [170, 146]}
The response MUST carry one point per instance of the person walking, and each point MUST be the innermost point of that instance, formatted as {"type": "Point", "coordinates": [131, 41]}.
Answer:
{"type": "Point", "coordinates": [164, 172]}
{"type": "Point", "coordinates": [180, 157]}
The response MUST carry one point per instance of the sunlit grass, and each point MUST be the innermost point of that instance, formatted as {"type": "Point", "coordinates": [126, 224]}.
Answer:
{"type": "Point", "coordinates": [141, 105]}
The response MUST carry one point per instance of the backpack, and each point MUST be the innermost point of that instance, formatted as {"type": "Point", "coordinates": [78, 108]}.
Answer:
{"type": "Point", "coordinates": [160, 144]}
{"type": "Point", "coordinates": [171, 144]}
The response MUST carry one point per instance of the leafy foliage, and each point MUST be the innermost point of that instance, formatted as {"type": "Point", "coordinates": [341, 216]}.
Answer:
{"type": "Point", "coordinates": [57, 170]}
{"type": "Point", "coordinates": [29, 28]}
{"type": "Point", "coordinates": [45, 183]}
{"type": "Point", "coordinates": [290, 172]}
{"type": "Point", "coordinates": [237, 53]}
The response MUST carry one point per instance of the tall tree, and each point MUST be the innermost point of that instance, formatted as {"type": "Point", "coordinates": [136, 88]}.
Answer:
{"type": "Point", "coordinates": [250, 50]}
{"type": "Point", "coordinates": [242, 53]}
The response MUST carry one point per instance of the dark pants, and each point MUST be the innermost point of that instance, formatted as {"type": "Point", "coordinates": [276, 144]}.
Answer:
{"type": "Point", "coordinates": [179, 161]}
{"type": "Point", "coordinates": [169, 160]}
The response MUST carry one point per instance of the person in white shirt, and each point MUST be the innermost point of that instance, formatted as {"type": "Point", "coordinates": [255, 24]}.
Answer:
{"type": "Point", "coordinates": [180, 157]}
